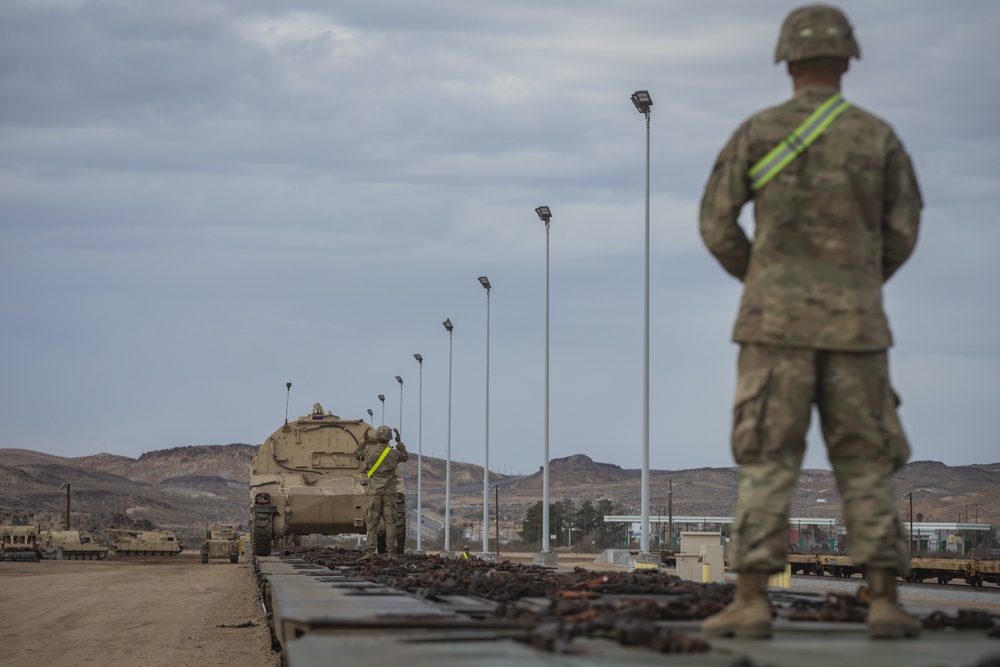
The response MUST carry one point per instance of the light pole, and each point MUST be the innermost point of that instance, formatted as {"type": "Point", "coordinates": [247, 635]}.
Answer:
{"type": "Point", "coordinates": [371, 415]}
{"type": "Point", "coordinates": [545, 215]}
{"type": "Point", "coordinates": [400, 381]}
{"type": "Point", "coordinates": [485, 282]}
{"type": "Point", "coordinates": [420, 451]}
{"type": "Point", "coordinates": [381, 397]}
{"type": "Point", "coordinates": [447, 465]}
{"type": "Point", "coordinates": [643, 103]}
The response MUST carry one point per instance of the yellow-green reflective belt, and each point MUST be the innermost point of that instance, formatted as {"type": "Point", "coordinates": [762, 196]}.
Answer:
{"type": "Point", "coordinates": [379, 462]}
{"type": "Point", "coordinates": [795, 143]}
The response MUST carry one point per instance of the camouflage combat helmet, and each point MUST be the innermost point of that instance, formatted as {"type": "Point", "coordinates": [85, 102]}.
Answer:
{"type": "Point", "coordinates": [383, 434]}
{"type": "Point", "coordinates": [816, 31]}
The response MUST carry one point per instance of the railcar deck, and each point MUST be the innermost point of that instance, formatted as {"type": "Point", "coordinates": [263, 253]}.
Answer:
{"type": "Point", "coordinates": [422, 610]}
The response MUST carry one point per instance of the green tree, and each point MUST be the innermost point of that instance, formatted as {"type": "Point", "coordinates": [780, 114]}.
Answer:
{"type": "Point", "coordinates": [531, 527]}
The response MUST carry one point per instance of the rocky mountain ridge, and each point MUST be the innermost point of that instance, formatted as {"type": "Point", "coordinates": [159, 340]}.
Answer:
{"type": "Point", "coordinates": [196, 485]}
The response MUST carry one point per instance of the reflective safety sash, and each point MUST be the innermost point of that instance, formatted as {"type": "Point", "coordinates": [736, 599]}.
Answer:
{"type": "Point", "coordinates": [379, 462]}
{"type": "Point", "coordinates": [797, 142]}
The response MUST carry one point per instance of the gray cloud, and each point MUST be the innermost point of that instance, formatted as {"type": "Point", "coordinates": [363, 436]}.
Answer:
{"type": "Point", "coordinates": [201, 202]}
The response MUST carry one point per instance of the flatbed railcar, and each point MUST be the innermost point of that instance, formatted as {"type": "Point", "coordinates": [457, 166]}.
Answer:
{"type": "Point", "coordinates": [429, 610]}
{"type": "Point", "coordinates": [972, 571]}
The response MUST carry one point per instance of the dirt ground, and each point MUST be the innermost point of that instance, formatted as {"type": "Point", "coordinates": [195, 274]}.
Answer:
{"type": "Point", "coordinates": [132, 611]}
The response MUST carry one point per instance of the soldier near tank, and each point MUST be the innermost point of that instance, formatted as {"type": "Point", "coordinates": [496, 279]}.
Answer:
{"type": "Point", "coordinates": [836, 212]}
{"type": "Point", "coordinates": [380, 463]}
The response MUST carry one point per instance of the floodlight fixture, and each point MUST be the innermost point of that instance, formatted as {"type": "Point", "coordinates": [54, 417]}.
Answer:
{"type": "Point", "coordinates": [642, 101]}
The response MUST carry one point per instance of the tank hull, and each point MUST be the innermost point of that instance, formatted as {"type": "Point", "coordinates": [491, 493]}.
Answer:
{"type": "Point", "coordinates": [71, 545]}
{"type": "Point", "coordinates": [19, 539]}
{"type": "Point", "coordinates": [306, 479]}
{"type": "Point", "coordinates": [146, 543]}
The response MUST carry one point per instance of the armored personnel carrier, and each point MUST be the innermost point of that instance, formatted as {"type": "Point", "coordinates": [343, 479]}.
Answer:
{"type": "Point", "coordinates": [19, 538]}
{"type": "Point", "coordinates": [72, 545]}
{"type": "Point", "coordinates": [306, 480]}
{"type": "Point", "coordinates": [221, 541]}
{"type": "Point", "coordinates": [145, 543]}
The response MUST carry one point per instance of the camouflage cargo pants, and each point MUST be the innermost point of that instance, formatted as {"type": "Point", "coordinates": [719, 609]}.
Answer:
{"type": "Point", "coordinates": [381, 508]}
{"type": "Point", "coordinates": [776, 390]}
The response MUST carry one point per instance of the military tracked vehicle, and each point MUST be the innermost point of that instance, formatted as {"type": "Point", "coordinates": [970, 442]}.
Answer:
{"type": "Point", "coordinates": [71, 545]}
{"type": "Point", "coordinates": [145, 543]}
{"type": "Point", "coordinates": [221, 541]}
{"type": "Point", "coordinates": [19, 538]}
{"type": "Point", "coordinates": [305, 480]}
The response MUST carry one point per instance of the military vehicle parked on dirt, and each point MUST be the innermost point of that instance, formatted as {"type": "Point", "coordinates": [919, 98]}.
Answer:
{"type": "Point", "coordinates": [221, 541]}
{"type": "Point", "coordinates": [145, 543]}
{"type": "Point", "coordinates": [305, 480]}
{"type": "Point", "coordinates": [19, 538]}
{"type": "Point", "coordinates": [71, 545]}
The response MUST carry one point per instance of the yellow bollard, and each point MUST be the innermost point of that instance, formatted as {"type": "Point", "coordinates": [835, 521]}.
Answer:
{"type": "Point", "coordinates": [781, 579]}
{"type": "Point", "coordinates": [706, 573]}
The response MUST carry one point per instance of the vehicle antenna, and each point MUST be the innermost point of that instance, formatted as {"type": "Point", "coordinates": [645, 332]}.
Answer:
{"type": "Point", "coordinates": [288, 392]}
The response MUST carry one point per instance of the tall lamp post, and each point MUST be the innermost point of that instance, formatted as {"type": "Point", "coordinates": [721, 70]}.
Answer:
{"type": "Point", "coordinates": [643, 104]}
{"type": "Point", "coordinates": [545, 215]}
{"type": "Point", "coordinates": [381, 397]}
{"type": "Point", "coordinates": [447, 465]}
{"type": "Point", "coordinates": [371, 415]}
{"type": "Point", "coordinates": [485, 282]}
{"type": "Point", "coordinates": [420, 451]}
{"type": "Point", "coordinates": [400, 381]}
{"type": "Point", "coordinates": [66, 486]}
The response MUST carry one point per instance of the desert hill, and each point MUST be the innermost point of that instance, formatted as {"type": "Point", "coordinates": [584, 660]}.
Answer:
{"type": "Point", "coordinates": [188, 487]}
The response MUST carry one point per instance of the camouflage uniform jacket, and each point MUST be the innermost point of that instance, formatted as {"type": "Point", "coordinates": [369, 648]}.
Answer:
{"type": "Point", "coordinates": [383, 480]}
{"type": "Point", "coordinates": [830, 228]}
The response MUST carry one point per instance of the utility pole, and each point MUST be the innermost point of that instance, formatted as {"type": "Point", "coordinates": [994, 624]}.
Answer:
{"type": "Point", "coordinates": [670, 511]}
{"type": "Point", "coordinates": [67, 487]}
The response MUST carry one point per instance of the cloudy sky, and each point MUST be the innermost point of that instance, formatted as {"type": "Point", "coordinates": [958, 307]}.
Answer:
{"type": "Point", "coordinates": [201, 201]}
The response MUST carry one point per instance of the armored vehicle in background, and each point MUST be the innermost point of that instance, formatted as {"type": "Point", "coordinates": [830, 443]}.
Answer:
{"type": "Point", "coordinates": [145, 543]}
{"type": "Point", "coordinates": [19, 538]}
{"type": "Point", "coordinates": [305, 480]}
{"type": "Point", "coordinates": [72, 545]}
{"type": "Point", "coordinates": [221, 541]}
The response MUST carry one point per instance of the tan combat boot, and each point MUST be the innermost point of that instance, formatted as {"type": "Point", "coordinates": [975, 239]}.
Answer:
{"type": "Point", "coordinates": [886, 619]}
{"type": "Point", "coordinates": [749, 615]}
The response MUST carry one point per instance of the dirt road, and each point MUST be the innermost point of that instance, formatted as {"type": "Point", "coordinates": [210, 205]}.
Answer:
{"type": "Point", "coordinates": [132, 612]}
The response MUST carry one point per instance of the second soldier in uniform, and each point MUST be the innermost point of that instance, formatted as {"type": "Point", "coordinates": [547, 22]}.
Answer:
{"type": "Point", "coordinates": [380, 464]}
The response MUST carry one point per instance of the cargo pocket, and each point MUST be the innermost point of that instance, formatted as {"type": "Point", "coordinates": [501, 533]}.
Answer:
{"type": "Point", "coordinates": [748, 416]}
{"type": "Point", "coordinates": [896, 446]}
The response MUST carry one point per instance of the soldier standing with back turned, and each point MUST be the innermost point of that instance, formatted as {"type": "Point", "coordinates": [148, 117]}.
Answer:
{"type": "Point", "coordinates": [380, 464]}
{"type": "Point", "coordinates": [836, 211]}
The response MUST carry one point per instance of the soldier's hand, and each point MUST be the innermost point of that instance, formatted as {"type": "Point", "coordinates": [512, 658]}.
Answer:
{"type": "Point", "coordinates": [396, 431]}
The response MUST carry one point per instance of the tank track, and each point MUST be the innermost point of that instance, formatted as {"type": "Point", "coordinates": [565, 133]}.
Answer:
{"type": "Point", "coordinates": [262, 535]}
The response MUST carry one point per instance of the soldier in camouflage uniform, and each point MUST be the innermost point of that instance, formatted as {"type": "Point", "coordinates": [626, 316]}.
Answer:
{"type": "Point", "coordinates": [381, 462]}
{"type": "Point", "coordinates": [831, 226]}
